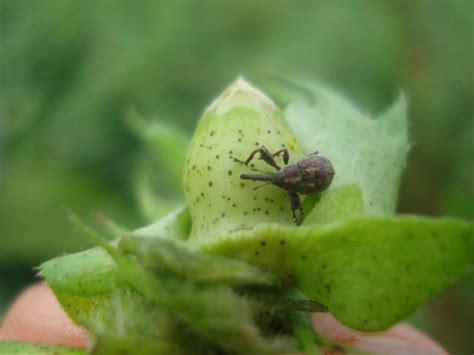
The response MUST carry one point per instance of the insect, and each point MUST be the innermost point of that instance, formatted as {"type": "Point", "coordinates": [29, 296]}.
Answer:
{"type": "Point", "coordinates": [311, 174]}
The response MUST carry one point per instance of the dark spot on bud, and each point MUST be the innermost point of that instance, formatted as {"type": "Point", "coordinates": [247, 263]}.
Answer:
{"type": "Point", "coordinates": [263, 243]}
{"type": "Point", "coordinates": [269, 131]}
{"type": "Point", "coordinates": [282, 242]}
{"type": "Point", "coordinates": [212, 133]}
{"type": "Point", "coordinates": [266, 212]}
{"type": "Point", "coordinates": [257, 252]}
{"type": "Point", "coordinates": [208, 168]}
{"type": "Point", "coordinates": [239, 140]}
{"type": "Point", "coordinates": [242, 184]}
{"type": "Point", "coordinates": [229, 172]}
{"type": "Point", "coordinates": [256, 143]}
{"type": "Point", "coordinates": [223, 214]}
{"type": "Point", "coordinates": [217, 156]}
{"type": "Point", "coordinates": [210, 183]}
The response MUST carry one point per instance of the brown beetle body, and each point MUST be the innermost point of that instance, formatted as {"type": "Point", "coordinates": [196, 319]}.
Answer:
{"type": "Point", "coordinates": [311, 174]}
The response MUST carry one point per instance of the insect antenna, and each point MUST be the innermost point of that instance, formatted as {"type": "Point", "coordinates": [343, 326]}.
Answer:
{"type": "Point", "coordinates": [261, 171]}
{"type": "Point", "coordinates": [259, 186]}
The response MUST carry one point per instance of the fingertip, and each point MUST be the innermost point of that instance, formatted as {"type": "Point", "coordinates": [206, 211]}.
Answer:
{"type": "Point", "coordinates": [36, 316]}
{"type": "Point", "coordinates": [400, 339]}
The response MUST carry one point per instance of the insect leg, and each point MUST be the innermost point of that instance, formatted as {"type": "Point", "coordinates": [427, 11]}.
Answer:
{"type": "Point", "coordinates": [265, 155]}
{"type": "Point", "coordinates": [286, 155]}
{"type": "Point", "coordinates": [296, 205]}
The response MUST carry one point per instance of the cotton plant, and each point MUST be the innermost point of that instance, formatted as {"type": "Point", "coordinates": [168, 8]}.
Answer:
{"type": "Point", "coordinates": [230, 272]}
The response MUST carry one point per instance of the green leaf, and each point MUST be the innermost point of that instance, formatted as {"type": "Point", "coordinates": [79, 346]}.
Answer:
{"type": "Point", "coordinates": [364, 151]}
{"type": "Point", "coordinates": [161, 255]}
{"type": "Point", "coordinates": [20, 347]}
{"type": "Point", "coordinates": [175, 225]}
{"type": "Point", "coordinates": [158, 176]}
{"type": "Point", "coordinates": [239, 121]}
{"type": "Point", "coordinates": [370, 272]}
{"type": "Point", "coordinates": [336, 205]}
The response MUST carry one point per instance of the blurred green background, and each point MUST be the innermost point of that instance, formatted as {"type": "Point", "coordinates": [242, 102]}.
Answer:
{"type": "Point", "coordinates": [74, 76]}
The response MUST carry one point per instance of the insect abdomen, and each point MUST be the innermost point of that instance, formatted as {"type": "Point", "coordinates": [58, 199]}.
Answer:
{"type": "Point", "coordinates": [317, 173]}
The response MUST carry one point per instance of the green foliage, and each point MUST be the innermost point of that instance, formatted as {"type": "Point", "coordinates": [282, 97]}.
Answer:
{"type": "Point", "coordinates": [367, 270]}
{"type": "Point", "coordinates": [229, 284]}
{"type": "Point", "coordinates": [72, 75]}
{"type": "Point", "coordinates": [38, 349]}
{"type": "Point", "coordinates": [364, 150]}
{"type": "Point", "coordinates": [240, 120]}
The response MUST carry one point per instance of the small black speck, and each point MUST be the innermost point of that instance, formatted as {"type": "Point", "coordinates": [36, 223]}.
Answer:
{"type": "Point", "coordinates": [283, 146]}
{"type": "Point", "coordinates": [245, 213]}
{"type": "Point", "coordinates": [259, 209]}
{"type": "Point", "coordinates": [263, 243]}
{"type": "Point", "coordinates": [282, 242]}
{"type": "Point", "coordinates": [255, 198]}
{"type": "Point", "coordinates": [239, 140]}
{"type": "Point", "coordinates": [208, 168]}
{"type": "Point", "coordinates": [252, 165]}
{"type": "Point", "coordinates": [212, 133]}
{"type": "Point", "coordinates": [202, 194]}
{"type": "Point", "coordinates": [281, 208]}
{"type": "Point", "coordinates": [229, 172]}
{"type": "Point", "coordinates": [271, 200]}
{"type": "Point", "coordinates": [223, 214]}
{"type": "Point", "coordinates": [194, 167]}
{"type": "Point", "coordinates": [266, 212]}
{"type": "Point", "coordinates": [217, 156]}
{"type": "Point", "coordinates": [269, 131]}
{"type": "Point", "coordinates": [201, 145]}
{"type": "Point", "coordinates": [230, 152]}
{"type": "Point", "coordinates": [234, 205]}
{"type": "Point", "coordinates": [228, 198]}
{"type": "Point", "coordinates": [266, 199]}
{"type": "Point", "coordinates": [257, 252]}
{"type": "Point", "coordinates": [256, 143]}
{"type": "Point", "coordinates": [210, 183]}
{"type": "Point", "coordinates": [240, 131]}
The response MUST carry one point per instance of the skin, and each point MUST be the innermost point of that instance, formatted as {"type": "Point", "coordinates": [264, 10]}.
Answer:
{"type": "Point", "coordinates": [36, 316]}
